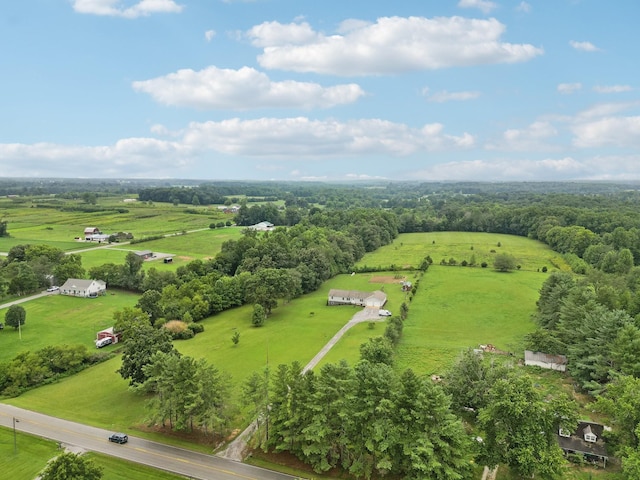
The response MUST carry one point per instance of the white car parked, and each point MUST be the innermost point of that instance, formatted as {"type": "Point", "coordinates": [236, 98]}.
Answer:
{"type": "Point", "coordinates": [53, 289]}
{"type": "Point", "coordinates": [384, 313]}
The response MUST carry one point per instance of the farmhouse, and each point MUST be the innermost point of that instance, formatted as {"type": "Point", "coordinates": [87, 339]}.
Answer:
{"type": "Point", "coordinates": [586, 440]}
{"type": "Point", "coordinates": [262, 226]}
{"type": "Point", "coordinates": [108, 333]}
{"type": "Point", "coordinates": [545, 360]}
{"type": "Point", "coordinates": [354, 297]}
{"type": "Point", "coordinates": [77, 287]}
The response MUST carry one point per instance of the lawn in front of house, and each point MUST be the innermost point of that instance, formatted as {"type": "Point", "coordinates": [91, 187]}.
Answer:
{"type": "Point", "coordinates": [62, 320]}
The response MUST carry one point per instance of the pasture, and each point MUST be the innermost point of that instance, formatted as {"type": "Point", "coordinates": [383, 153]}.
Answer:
{"type": "Point", "coordinates": [456, 308]}
{"type": "Point", "coordinates": [409, 249]}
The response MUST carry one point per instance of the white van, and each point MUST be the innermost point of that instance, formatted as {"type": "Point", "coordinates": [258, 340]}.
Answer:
{"type": "Point", "coordinates": [103, 342]}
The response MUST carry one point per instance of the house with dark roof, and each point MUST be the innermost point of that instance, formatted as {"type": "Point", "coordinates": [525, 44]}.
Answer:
{"type": "Point", "coordinates": [586, 440]}
{"type": "Point", "coordinates": [78, 287]}
{"type": "Point", "coordinates": [354, 297]}
{"type": "Point", "coordinates": [545, 360]}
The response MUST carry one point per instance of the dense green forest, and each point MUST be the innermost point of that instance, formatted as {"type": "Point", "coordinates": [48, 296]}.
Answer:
{"type": "Point", "coordinates": [369, 419]}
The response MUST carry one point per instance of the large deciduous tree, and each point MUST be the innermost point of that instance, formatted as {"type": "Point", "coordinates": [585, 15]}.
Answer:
{"type": "Point", "coordinates": [15, 316]}
{"type": "Point", "coordinates": [140, 344]}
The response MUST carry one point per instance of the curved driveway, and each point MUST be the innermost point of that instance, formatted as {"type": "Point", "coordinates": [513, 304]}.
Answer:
{"type": "Point", "coordinates": [173, 459]}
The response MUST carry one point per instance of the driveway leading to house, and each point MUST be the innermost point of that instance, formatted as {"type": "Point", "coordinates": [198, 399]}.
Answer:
{"type": "Point", "coordinates": [235, 450]}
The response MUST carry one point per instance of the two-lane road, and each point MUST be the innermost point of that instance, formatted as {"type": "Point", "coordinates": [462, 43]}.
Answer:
{"type": "Point", "coordinates": [184, 462]}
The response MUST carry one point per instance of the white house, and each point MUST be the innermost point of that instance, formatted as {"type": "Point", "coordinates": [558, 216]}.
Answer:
{"type": "Point", "coordinates": [77, 287]}
{"type": "Point", "coordinates": [262, 226]}
{"type": "Point", "coordinates": [354, 297]}
{"type": "Point", "coordinates": [545, 360]}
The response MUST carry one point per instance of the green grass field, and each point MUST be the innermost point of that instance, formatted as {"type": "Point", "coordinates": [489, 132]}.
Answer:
{"type": "Point", "coordinates": [58, 320]}
{"type": "Point", "coordinates": [408, 250]}
{"type": "Point", "coordinates": [457, 308]}
{"type": "Point", "coordinates": [33, 453]}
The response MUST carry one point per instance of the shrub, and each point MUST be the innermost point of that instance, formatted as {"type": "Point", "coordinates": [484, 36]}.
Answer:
{"type": "Point", "coordinates": [484, 265]}
{"type": "Point", "coordinates": [179, 330]}
{"type": "Point", "coordinates": [196, 327]}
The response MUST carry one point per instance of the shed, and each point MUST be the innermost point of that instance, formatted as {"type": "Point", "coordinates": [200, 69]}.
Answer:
{"type": "Point", "coordinates": [146, 254]}
{"type": "Point", "coordinates": [108, 333]}
{"type": "Point", "coordinates": [545, 360]}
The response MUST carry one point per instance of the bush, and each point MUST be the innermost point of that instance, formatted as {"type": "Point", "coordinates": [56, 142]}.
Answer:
{"type": "Point", "coordinates": [179, 330]}
{"type": "Point", "coordinates": [196, 327]}
{"type": "Point", "coordinates": [484, 265]}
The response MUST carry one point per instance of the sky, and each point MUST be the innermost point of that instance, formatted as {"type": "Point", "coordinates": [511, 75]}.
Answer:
{"type": "Point", "coordinates": [301, 90]}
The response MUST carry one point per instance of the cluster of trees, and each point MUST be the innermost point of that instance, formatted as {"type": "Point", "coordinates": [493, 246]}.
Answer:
{"type": "Point", "coordinates": [67, 466]}
{"type": "Point", "coordinates": [517, 422]}
{"type": "Point", "coordinates": [593, 319]}
{"type": "Point", "coordinates": [28, 268]}
{"type": "Point", "coordinates": [31, 369]}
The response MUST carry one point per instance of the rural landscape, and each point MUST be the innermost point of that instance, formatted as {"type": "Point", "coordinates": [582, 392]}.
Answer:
{"type": "Point", "coordinates": [217, 298]}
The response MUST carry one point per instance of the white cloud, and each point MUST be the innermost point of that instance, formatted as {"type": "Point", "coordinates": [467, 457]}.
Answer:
{"type": "Point", "coordinates": [484, 6]}
{"type": "Point", "coordinates": [612, 88]}
{"type": "Point", "coordinates": [299, 137]}
{"type": "Point", "coordinates": [209, 34]}
{"type": "Point", "coordinates": [524, 7]}
{"type": "Point", "coordinates": [243, 89]}
{"type": "Point", "coordinates": [391, 45]}
{"type": "Point", "coordinates": [114, 8]}
{"type": "Point", "coordinates": [445, 96]}
{"type": "Point", "coordinates": [620, 132]}
{"type": "Point", "coordinates": [584, 46]}
{"type": "Point", "coordinates": [568, 88]}
{"type": "Point", "coordinates": [533, 138]}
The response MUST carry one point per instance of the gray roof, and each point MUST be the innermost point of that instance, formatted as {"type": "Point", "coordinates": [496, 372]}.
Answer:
{"type": "Point", "coordinates": [576, 442]}
{"type": "Point", "coordinates": [335, 292]}
{"type": "Point", "coordinates": [78, 284]}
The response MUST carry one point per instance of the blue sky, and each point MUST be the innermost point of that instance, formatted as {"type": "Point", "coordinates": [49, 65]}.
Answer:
{"type": "Point", "coordinates": [320, 90]}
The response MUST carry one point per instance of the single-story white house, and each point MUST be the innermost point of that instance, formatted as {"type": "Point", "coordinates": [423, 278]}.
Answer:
{"type": "Point", "coordinates": [354, 297]}
{"type": "Point", "coordinates": [262, 226]}
{"type": "Point", "coordinates": [545, 360]}
{"type": "Point", "coordinates": [78, 287]}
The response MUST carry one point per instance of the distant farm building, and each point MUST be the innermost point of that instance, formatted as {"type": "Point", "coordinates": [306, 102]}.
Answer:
{"type": "Point", "coordinates": [144, 254]}
{"type": "Point", "coordinates": [406, 286]}
{"type": "Point", "coordinates": [262, 226]}
{"type": "Point", "coordinates": [545, 360]}
{"type": "Point", "coordinates": [354, 297]}
{"type": "Point", "coordinates": [108, 333]}
{"type": "Point", "coordinates": [89, 231]}
{"type": "Point", "coordinates": [78, 287]}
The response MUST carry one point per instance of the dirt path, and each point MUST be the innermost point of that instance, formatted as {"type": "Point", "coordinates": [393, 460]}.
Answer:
{"type": "Point", "coordinates": [235, 450]}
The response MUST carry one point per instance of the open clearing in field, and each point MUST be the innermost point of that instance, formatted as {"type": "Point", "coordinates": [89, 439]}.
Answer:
{"type": "Point", "coordinates": [409, 249]}
{"type": "Point", "coordinates": [456, 308]}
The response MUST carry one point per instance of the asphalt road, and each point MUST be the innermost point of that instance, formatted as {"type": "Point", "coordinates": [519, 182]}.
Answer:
{"type": "Point", "coordinates": [177, 460]}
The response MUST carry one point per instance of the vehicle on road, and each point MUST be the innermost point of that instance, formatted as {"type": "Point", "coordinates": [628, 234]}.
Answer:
{"type": "Point", "coordinates": [119, 438]}
{"type": "Point", "coordinates": [384, 313]}
{"type": "Point", "coordinates": [53, 289]}
{"type": "Point", "coordinates": [103, 342]}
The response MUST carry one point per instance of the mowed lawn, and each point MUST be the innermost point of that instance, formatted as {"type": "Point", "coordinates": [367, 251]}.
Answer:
{"type": "Point", "coordinates": [58, 320]}
{"type": "Point", "coordinates": [457, 308]}
{"type": "Point", "coordinates": [409, 249]}
{"type": "Point", "coordinates": [32, 454]}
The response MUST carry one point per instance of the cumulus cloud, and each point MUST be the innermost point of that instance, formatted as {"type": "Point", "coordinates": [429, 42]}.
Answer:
{"type": "Point", "coordinates": [246, 88]}
{"type": "Point", "coordinates": [621, 132]}
{"type": "Point", "coordinates": [114, 8]}
{"type": "Point", "coordinates": [303, 137]}
{"type": "Point", "coordinates": [209, 34]}
{"type": "Point", "coordinates": [532, 138]}
{"type": "Point", "coordinates": [484, 6]}
{"type": "Point", "coordinates": [568, 88]}
{"type": "Point", "coordinates": [390, 45]}
{"type": "Point", "coordinates": [584, 46]}
{"type": "Point", "coordinates": [445, 96]}
{"type": "Point", "coordinates": [612, 88]}
{"type": "Point", "coordinates": [131, 157]}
